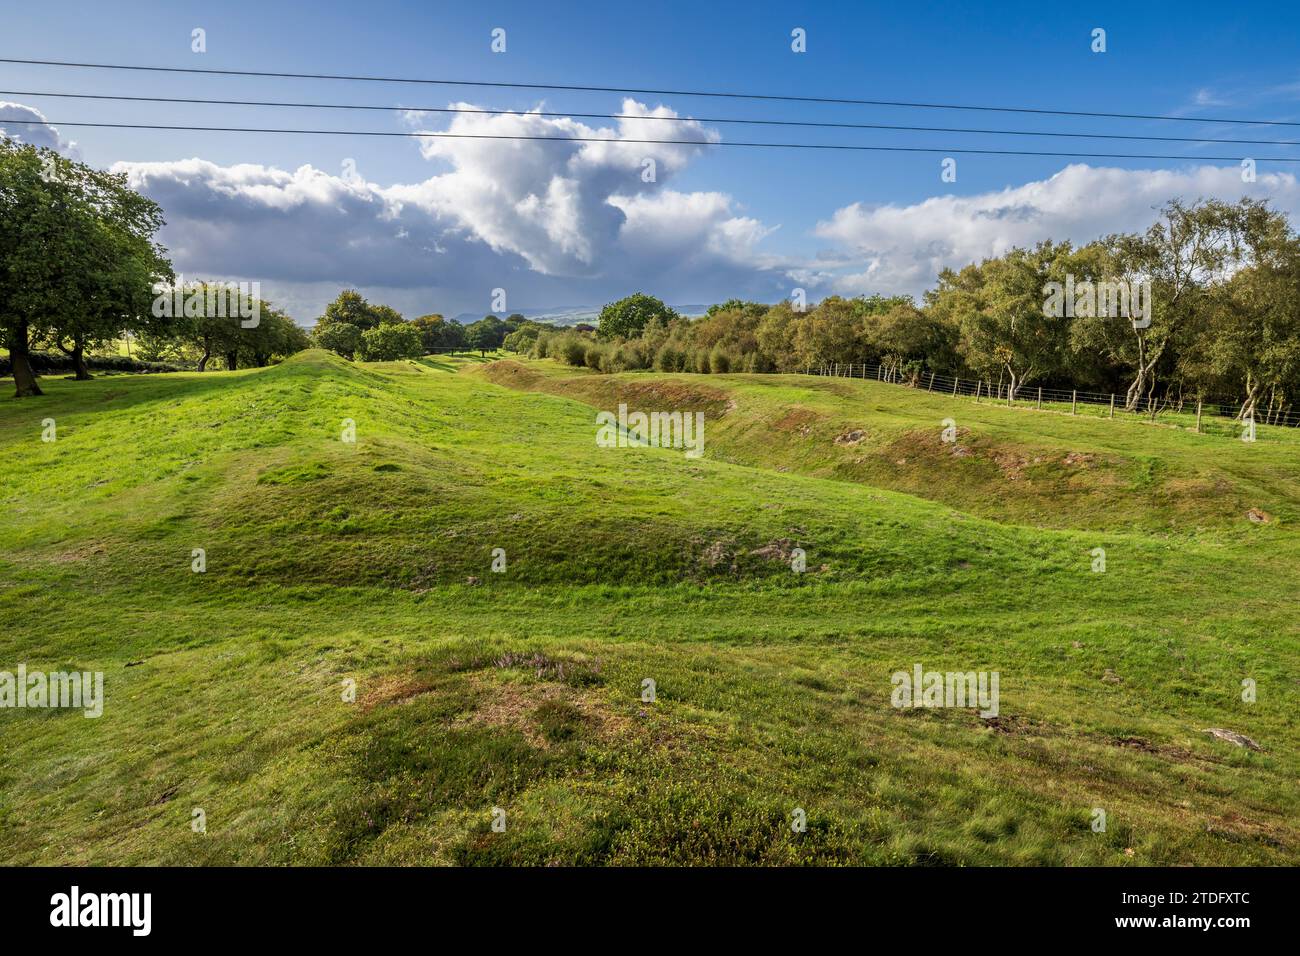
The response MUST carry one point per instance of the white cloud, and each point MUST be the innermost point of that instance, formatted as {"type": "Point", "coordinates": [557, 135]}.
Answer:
{"type": "Point", "coordinates": [551, 222]}
{"type": "Point", "coordinates": [26, 124]}
{"type": "Point", "coordinates": [901, 249]}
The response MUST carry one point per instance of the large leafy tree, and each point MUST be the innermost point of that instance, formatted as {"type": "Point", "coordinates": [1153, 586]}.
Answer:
{"type": "Point", "coordinates": [1180, 256]}
{"type": "Point", "coordinates": [437, 332]}
{"type": "Point", "coordinates": [999, 307]}
{"type": "Point", "coordinates": [628, 317]}
{"type": "Point", "coordinates": [486, 334]}
{"type": "Point", "coordinates": [78, 258]}
{"type": "Point", "coordinates": [391, 341]}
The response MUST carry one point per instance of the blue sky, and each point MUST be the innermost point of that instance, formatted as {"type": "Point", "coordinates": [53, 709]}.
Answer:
{"type": "Point", "coordinates": [537, 219]}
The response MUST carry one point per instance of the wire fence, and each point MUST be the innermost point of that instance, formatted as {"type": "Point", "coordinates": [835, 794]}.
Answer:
{"type": "Point", "coordinates": [1169, 408]}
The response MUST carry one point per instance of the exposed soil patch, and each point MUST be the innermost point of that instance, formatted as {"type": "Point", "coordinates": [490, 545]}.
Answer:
{"type": "Point", "coordinates": [546, 713]}
{"type": "Point", "coordinates": [391, 690]}
{"type": "Point", "coordinates": [852, 437]}
{"type": "Point", "coordinates": [83, 553]}
{"type": "Point", "coordinates": [798, 420]}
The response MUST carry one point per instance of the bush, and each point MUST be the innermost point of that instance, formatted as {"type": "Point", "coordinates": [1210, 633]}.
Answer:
{"type": "Point", "coordinates": [629, 356]}
{"type": "Point", "coordinates": [573, 350]}
{"type": "Point", "coordinates": [47, 363]}
{"type": "Point", "coordinates": [593, 355]}
{"type": "Point", "coordinates": [719, 360]}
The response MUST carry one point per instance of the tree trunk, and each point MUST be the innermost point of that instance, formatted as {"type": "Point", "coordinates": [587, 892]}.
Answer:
{"type": "Point", "coordinates": [79, 360]}
{"type": "Point", "coordinates": [232, 360]}
{"type": "Point", "coordinates": [1252, 399]}
{"type": "Point", "coordinates": [20, 359]}
{"type": "Point", "coordinates": [207, 354]}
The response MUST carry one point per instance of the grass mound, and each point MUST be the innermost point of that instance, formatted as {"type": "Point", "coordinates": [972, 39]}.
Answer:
{"type": "Point", "coordinates": [473, 610]}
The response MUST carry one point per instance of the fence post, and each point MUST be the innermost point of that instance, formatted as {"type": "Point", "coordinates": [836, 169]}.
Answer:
{"type": "Point", "coordinates": [1112, 404]}
{"type": "Point", "coordinates": [978, 383]}
{"type": "Point", "coordinates": [1198, 416]}
{"type": "Point", "coordinates": [1040, 398]}
{"type": "Point", "coordinates": [930, 387]}
{"type": "Point", "coordinates": [1074, 401]}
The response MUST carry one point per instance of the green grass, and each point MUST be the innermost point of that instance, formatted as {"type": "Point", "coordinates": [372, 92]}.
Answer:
{"type": "Point", "coordinates": [371, 562]}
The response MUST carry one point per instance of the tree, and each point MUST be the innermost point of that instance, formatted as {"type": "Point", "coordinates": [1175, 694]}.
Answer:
{"type": "Point", "coordinates": [1179, 256]}
{"type": "Point", "coordinates": [342, 338]}
{"type": "Point", "coordinates": [1247, 335]}
{"type": "Point", "coordinates": [352, 308]}
{"type": "Point", "coordinates": [276, 336]}
{"type": "Point", "coordinates": [908, 339]}
{"type": "Point", "coordinates": [385, 315]}
{"type": "Point", "coordinates": [486, 334]}
{"type": "Point", "coordinates": [775, 336]}
{"type": "Point", "coordinates": [438, 333]}
{"type": "Point", "coordinates": [831, 332]}
{"type": "Point", "coordinates": [627, 317]}
{"type": "Point", "coordinates": [999, 307]}
{"type": "Point", "coordinates": [522, 338]}
{"type": "Point", "coordinates": [212, 331]}
{"type": "Point", "coordinates": [77, 256]}
{"type": "Point", "coordinates": [390, 342]}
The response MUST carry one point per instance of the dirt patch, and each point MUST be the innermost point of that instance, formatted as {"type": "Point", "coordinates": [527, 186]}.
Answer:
{"type": "Point", "coordinates": [392, 690]}
{"type": "Point", "coordinates": [83, 553]}
{"type": "Point", "coordinates": [528, 707]}
{"type": "Point", "coordinates": [1079, 459]}
{"type": "Point", "coordinates": [1259, 517]}
{"type": "Point", "coordinates": [715, 554]}
{"type": "Point", "coordinates": [852, 437]}
{"type": "Point", "coordinates": [797, 420]}
{"type": "Point", "coordinates": [1011, 465]}
{"type": "Point", "coordinates": [779, 550]}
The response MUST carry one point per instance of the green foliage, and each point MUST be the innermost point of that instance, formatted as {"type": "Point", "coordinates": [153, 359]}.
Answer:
{"type": "Point", "coordinates": [486, 334]}
{"type": "Point", "coordinates": [391, 341]}
{"type": "Point", "coordinates": [630, 316]}
{"type": "Point", "coordinates": [78, 260]}
{"type": "Point", "coordinates": [341, 338]}
{"type": "Point", "coordinates": [325, 564]}
{"type": "Point", "coordinates": [439, 334]}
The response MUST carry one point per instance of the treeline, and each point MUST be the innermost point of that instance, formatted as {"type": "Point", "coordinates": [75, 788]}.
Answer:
{"type": "Point", "coordinates": [1205, 303]}
{"type": "Point", "coordinates": [81, 272]}
{"type": "Point", "coordinates": [356, 329]}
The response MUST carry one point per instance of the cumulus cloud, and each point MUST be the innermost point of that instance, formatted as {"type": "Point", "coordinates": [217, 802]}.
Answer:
{"type": "Point", "coordinates": [901, 249]}
{"type": "Point", "coordinates": [26, 124]}
{"type": "Point", "coordinates": [550, 221]}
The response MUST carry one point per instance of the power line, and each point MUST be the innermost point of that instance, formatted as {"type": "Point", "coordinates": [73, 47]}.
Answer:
{"type": "Point", "coordinates": [633, 116]}
{"type": "Point", "coordinates": [843, 101]}
{"type": "Point", "coordinates": [659, 142]}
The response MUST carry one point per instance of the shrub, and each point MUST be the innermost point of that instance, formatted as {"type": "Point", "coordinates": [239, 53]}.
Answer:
{"type": "Point", "coordinates": [573, 350]}
{"type": "Point", "coordinates": [46, 363]}
{"type": "Point", "coordinates": [719, 360]}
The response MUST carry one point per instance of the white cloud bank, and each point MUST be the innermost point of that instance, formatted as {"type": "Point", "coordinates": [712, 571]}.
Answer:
{"type": "Point", "coordinates": [902, 248]}
{"type": "Point", "coordinates": [565, 223]}
{"type": "Point", "coordinates": [550, 222]}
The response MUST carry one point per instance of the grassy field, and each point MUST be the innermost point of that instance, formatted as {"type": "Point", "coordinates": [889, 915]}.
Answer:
{"type": "Point", "coordinates": [330, 562]}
